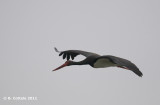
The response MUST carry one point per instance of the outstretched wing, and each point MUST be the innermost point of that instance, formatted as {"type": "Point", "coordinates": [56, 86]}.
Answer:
{"type": "Point", "coordinates": [126, 64]}
{"type": "Point", "coordinates": [73, 53]}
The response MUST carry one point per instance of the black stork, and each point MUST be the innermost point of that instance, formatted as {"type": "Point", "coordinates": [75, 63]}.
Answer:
{"type": "Point", "coordinates": [97, 61]}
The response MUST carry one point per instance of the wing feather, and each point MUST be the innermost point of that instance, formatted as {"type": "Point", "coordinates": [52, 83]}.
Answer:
{"type": "Point", "coordinates": [71, 54]}
{"type": "Point", "coordinates": [124, 63]}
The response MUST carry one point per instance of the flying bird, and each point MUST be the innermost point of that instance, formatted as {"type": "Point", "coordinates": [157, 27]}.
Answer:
{"type": "Point", "coordinates": [97, 61]}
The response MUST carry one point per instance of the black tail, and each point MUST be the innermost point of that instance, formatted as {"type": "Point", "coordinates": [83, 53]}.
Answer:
{"type": "Point", "coordinates": [139, 73]}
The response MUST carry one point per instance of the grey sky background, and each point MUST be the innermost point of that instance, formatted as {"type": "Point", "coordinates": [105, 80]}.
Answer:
{"type": "Point", "coordinates": [30, 29]}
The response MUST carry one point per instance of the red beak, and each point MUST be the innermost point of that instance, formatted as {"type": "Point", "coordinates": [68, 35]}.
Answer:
{"type": "Point", "coordinates": [65, 64]}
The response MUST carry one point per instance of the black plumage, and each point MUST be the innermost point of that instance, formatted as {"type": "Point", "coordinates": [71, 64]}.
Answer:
{"type": "Point", "coordinates": [97, 61]}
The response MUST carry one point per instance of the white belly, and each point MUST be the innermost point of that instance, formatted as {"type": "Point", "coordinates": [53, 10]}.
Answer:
{"type": "Point", "coordinates": [103, 62]}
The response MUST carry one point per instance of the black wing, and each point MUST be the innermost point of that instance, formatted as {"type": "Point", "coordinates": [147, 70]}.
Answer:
{"type": "Point", "coordinates": [73, 53]}
{"type": "Point", "coordinates": [125, 64]}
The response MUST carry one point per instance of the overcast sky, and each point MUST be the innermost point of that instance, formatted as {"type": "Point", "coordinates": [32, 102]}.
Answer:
{"type": "Point", "coordinates": [30, 29]}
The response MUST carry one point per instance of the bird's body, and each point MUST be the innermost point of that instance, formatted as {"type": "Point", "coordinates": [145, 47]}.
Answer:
{"type": "Point", "coordinates": [97, 61]}
{"type": "Point", "coordinates": [102, 63]}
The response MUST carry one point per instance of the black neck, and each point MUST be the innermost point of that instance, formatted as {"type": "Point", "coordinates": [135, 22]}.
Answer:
{"type": "Point", "coordinates": [78, 63]}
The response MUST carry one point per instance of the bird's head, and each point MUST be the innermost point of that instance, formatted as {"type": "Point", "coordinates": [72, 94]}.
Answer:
{"type": "Point", "coordinates": [67, 63]}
